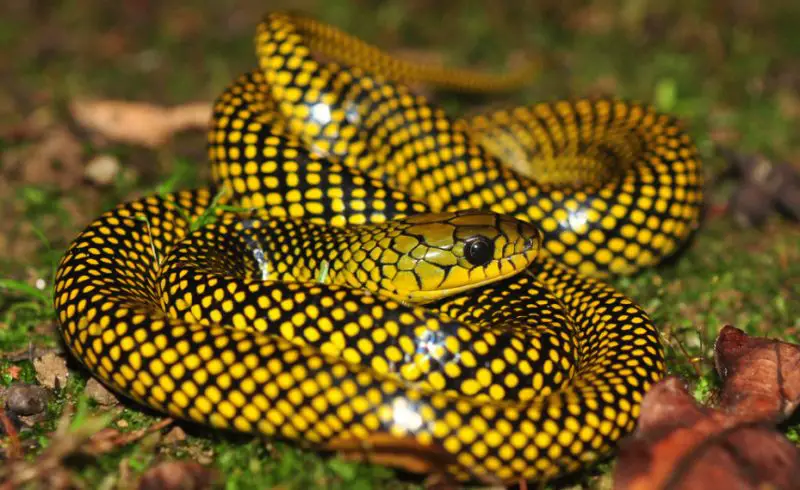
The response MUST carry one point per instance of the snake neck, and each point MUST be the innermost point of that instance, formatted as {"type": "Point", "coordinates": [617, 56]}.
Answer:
{"type": "Point", "coordinates": [301, 251]}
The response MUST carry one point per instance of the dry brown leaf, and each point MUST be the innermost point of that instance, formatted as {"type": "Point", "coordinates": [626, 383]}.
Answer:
{"type": "Point", "coordinates": [681, 445]}
{"type": "Point", "coordinates": [51, 370]}
{"type": "Point", "coordinates": [139, 123]}
{"type": "Point", "coordinates": [178, 475]}
{"type": "Point", "coordinates": [761, 376]}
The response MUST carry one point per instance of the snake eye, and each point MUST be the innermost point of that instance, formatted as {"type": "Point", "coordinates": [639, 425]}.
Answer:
{"type": "Point", "coordinates": [479, 250]}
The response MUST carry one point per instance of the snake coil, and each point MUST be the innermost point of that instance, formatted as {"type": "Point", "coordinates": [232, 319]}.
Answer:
{"type": "Point", "coordinates": [381, 291]}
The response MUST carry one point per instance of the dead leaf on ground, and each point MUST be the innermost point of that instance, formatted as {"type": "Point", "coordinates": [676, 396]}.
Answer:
{"type": "Point", "coordinates": [139, 123]}
{"type": "Point", "coordinates": [679, 444]}
{"type": "Point", "coordinates": [51, 370]}
{"type": "Point", "coordinates": [12, 370]}
{"type": "Point", "coordinates": [178, 475]}
{"type": "Point", "coordinates": [761, 376]}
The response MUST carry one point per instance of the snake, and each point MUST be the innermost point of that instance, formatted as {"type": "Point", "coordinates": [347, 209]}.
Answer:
{"type": "Point", "coordinates": [370, 276]}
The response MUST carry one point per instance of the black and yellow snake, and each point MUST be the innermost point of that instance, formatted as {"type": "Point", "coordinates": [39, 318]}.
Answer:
{"type": "Point", "coordinates": [380, 291]}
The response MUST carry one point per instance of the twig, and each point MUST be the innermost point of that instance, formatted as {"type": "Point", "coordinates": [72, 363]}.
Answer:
{"type": "Point", "coordinates": [689, 358]}
{"type": "Point", "coordinates": [104, 442]}
{"type": "Point", "coordinates": [29, 353]}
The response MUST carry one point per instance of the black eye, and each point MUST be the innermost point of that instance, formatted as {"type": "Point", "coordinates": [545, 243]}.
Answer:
{"type": "Point", "coordinates": [479, 250]}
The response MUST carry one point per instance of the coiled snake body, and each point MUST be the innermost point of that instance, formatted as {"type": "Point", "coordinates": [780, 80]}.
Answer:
{"type": "Point", "coordinates": [381, 293]}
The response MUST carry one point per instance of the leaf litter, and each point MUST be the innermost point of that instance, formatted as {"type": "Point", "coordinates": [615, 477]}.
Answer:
{"type": "Point", "coordinates": [679, 444]}
{"type": "Point", "coordinates": [139, 123]}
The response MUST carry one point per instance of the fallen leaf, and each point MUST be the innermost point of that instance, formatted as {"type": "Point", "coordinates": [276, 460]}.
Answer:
{"type": "Point", "coordinates": [51, 370]}
{"type": "Point", "coordinates": [178, 475]}
{"type": "Point", "coordinates": [14, 371]}
{"type": "Point", "coordinates": [139, 123]}
{"type": "Point", "coordinates": [681, 445]}
{"type": "Point", "coordinates": [761, 377]}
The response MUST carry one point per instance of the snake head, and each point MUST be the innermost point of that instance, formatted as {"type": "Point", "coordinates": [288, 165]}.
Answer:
{"type": "Point", "coordinates": [440, 254]}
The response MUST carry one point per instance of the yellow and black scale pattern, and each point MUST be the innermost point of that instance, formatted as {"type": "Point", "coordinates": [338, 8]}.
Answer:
{"type": "Point", "coordinates": [384, 294]}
